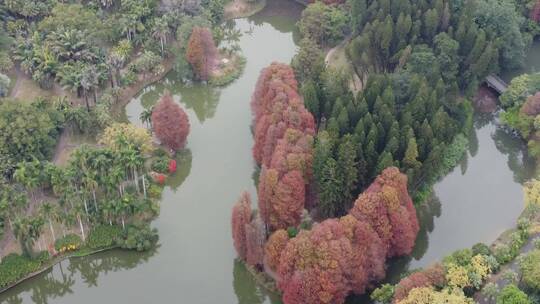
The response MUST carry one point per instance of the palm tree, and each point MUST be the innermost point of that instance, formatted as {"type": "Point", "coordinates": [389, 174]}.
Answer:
{"type": "Point", "coordinates": [160, 31]}
{"type": "Point", "coordinates": [90, 183]}
{"type": "Point", "coordinates": [146, 117]}
{"type": "Point", "coordinates": [49, 212]}
{"type": "Point", "coordinates": [29, 175]}
{"type": "Point", "coordinates": [107, 210]}
{"type": "Point", "coordinates": [115, 62]}
{"type": "Point", "coordinates": [78, 213]}
{"type": "Point", "coordinates": [134, 161]}
{"type": "Point", "coordinates": [27, 230]}
{"type": "Point", "coordinates": [90, 82]}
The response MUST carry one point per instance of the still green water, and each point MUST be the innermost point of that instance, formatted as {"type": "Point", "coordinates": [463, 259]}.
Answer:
{"type": "Point", "coordinates": [194, 261]}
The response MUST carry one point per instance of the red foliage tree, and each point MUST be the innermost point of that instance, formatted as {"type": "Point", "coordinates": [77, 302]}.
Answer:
{"type": "Point", "coordinates": [277, 107]}
{"type": "Point", "coordinates": [432, 276]}
{"type": "Point", "coordinates": [294, 152]}
{"type": "Point", "coordinates": [241, 217]}
{"type": "Point", "coordinates": [388, 208]}
{"type": "Point", "coordinates": [535, 11]}
{"type": "Point", "coordinates": [170, 123]}
{"type": "Point", "coordinates": [281, 200]}
{"type": "Point", "coordinates": [531, 107]}
{"type": "Point", "coordinates": [201, 52]}
{"type": "Point", "coordinates": [274, 247]}
{"type": "Point", "coordinates": [315, 265]}
{"type": "Point", "coordinates": [255, 238]}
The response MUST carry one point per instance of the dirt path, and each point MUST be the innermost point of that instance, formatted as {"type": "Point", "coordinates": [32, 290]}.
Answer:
{"type": "Point", "coordinates": [334, 49]}
{"type": "Point", "coordinates": [18, 83]}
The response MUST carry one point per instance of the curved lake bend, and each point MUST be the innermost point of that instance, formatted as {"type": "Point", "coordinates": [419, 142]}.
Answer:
{"type": "Point", "coordinates": [195, 259]}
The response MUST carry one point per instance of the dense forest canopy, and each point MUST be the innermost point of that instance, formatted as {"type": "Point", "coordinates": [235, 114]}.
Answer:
{"type": "Point", "coordinates": [417, 62]}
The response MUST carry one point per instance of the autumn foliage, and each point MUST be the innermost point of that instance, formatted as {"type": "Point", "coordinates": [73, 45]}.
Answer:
{"type": "Point", "coordinates": [241, 216]}
{"type": "Point", "coordinates": [340, 256]}
{"type": "Point", "coordinates": [387, 207]}
{"type": "Point", "coordinates": [201, 52]}
{"type": "Point", "coordinates": [284, 132]}
{"type": "Point", "coordinates": [274, 247]}
{"type": "Point", "coordinates": [170, 123]}
{"type": "Point", "coordinates": [335, 257]}
{"type": "Point", "coordinates": [430, 277]}
{"type": "Point", "coordinates": [531, 107]}
{"type": "Point", "coordinates": [277, 106]}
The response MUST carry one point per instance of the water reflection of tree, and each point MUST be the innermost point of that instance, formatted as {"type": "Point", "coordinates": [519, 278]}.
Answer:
{"type": "Point", "coordinates": [202, 99]}
{"type": "Point", "coordinates": [59, 282]}
{"type": "Point", "coordinates": [281, 15]}
{"type": "Point", "coordinates": [426, 213]}
{"type": "Point", "coordinates": [246, 289]}
{"type": "Point", "coordinates": [183, 159]}
{"type": "Point", "coordinates": [514, 148]}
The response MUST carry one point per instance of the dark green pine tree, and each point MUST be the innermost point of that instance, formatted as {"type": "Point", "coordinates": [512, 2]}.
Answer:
{"type": "Point", "coordinates": [330, 189]}
{"type": "Point", "coordinates": [385, 161]}
{"type": "Point", "coordinates": [311, 98]}
{"type": "Point", "coordinates": [347, 170]}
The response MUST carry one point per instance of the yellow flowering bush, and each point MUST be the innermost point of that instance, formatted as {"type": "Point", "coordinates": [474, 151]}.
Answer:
{"type": "Point", "coordinates": [427, 295]}
{"type": "Point", "coordinates": [457, 276]}
{"type": "Point", "coordinates": [119, 133]}
{"type": "Point", "coordinates": [480, 266]}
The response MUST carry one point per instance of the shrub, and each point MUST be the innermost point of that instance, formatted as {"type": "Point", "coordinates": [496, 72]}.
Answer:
{"type": "Point", "coordinates": [139, 237]}
{"type": "Point", "coordinates": [490, 292]}
{"type": "Point", "coordinates": [154, 191]}
{"type": "Point", "coordinates": [530, 268]}
{"type": "Point", "coordinates": [536, 243]}
{"type": "Point", "coordinates": [128, 78]}
{"type": "Point", "coordinates": [104, 236]}
{"type": "Point", "coordinates": [15, 267]}
{"type": "Point", "coordinates": [172, 166]}
{"type": "Point", "coordinates": [383, 294]}
{"type": "Point", "coordinates": [161, 164]}
{"type": "Point", "coordinates": [512, 295]}
{"type": "Point", "coordinates": [70, 242]}
{"type": "Point", "coordinates": [6, 63]}
{"type": "Point", "coordinates": [4, 85]}
{"type": "Point", "coordinates": [481, 248]}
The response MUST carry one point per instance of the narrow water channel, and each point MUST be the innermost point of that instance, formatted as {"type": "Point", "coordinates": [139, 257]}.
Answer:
{"type": "Point", "coordinates": [195, 260]}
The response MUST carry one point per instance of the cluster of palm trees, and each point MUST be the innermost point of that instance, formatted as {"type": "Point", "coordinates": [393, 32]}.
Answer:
{"type": "Point", "coordinates": [98, 186]}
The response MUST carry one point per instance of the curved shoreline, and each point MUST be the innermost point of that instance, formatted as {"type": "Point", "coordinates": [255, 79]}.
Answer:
{"type": "Point", "coordinates": [53, 262]}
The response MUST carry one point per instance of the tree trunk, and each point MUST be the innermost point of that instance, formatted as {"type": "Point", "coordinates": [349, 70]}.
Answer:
{"type": "Point", "coordinates": [52, 230]}
{"type": "Point", "coordinates": [111, 74]}
{"type": "Point", "coordinates": [95, 201]}
{"type": "Point", "coordinates": [136, 175]}
{"type": "Point", "coordinates": [85, 207]}
{"type": "Point", "coordinates": [123, 223]}
{"type": "Point", "coordinates": [86, 100]}
{"type": "Point", "coordinates": [144, 186]}
{"type": "Point", "coordinates": [82, 228]}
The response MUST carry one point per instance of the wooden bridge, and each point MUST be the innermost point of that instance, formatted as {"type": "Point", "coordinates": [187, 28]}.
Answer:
{"type": "Point", "coordinates": [496, 83]}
